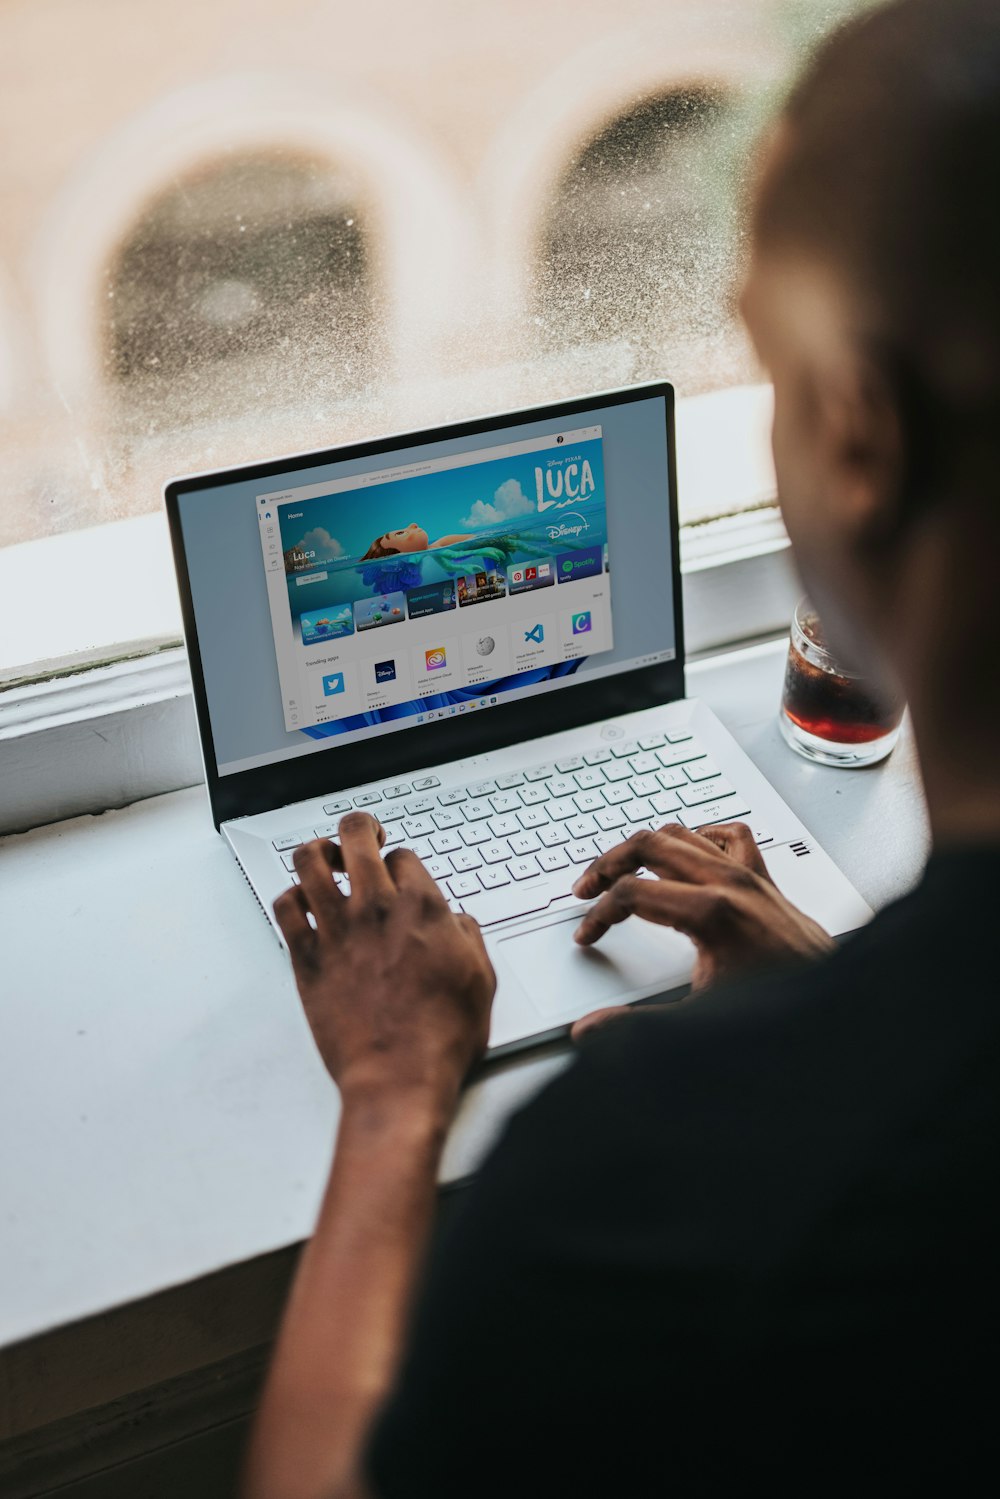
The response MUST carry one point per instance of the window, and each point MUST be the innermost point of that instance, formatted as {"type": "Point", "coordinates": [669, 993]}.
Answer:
{"type": "Point", "coordinates": [233, 233]}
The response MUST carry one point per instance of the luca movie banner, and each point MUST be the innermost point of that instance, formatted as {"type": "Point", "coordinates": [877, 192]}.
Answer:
{"type": "Point", "coordinates": [372, 557]}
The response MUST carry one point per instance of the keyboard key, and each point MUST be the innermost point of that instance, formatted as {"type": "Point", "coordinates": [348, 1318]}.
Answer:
{"type": "Point", "coordinates": [422, 848]}
{"type": "Point", "coordinates": [668, 779]}
{"type": "Point", "coordinates": [623, 750]}
{"type": "Point", "coordinates": [505, 801]}
{"type": "Point", "coordinates": [581, 827]}
{"type": "Point", "coordinates": [582, 852]}
{"type": "Point", "coordinates": [508, 782]}
{"type": "Point", "coordinates": [611, 839]}
{"type": "Point", "coordinates": [288, 861]}
{"type": "Point", "coordinates": [474, 833]}
{"type": "Point", "coordinates": [562, 786]}
{"type": "Point", "coordinates": [420, 804]}
{"type": "Point", "coordinates": [610, 818]}
{"type": "Point", "coordinates": [424, 783]}
{"type": "Point", "coordinates": [391, 793]}
{"type": "Point", "coordinates": [417, 827]}
{"type": "Point", "coordinates": [620, 770]}
{"type": "Point", "coordinates": [572, 762]}
{"type": "Point", "coordinates": [465, 860]}
{"type": "Point", "coordinates": [597, 757]}
{"type": "Point", "coordinates": [552, 858]}
{"type": "Point", "coordinates": [678, 736]}
{"type": "Point", "coordinates": [644, 785]}
{"type": "Point", "coordinates": [388, 813]}
{"type": "Point", "coordinates": [476, 789]}
{"type": "Point", "coordinates": [540, 773]}
{"type": "Point", "coordinates": [641, 810]}
{"type": "Point", "coordinates": [586, 780]}
{"type": "Point", "coordinates": [704, 791]}
{"type": "Point", "coordinates": [553, 835]}
{"type": "Point", "coordinates": [394, 835]}
{"type": "Point", "coordinates": [445, 843]}
{"type": "Point", "coordinates": [493, 878]}
{"type": "Point", "coordinates": [504, 825]}
{"type": "Point", "coordinates": [615, 795]}
{"type": "Point", "coordinates": [477, 811]}
{"type": "Point", "coordinates": [524, 843]}
{"type": "Point", "coordinates": [561, 809]}
{"type": "Point", "coordinates": [644, 765]}
{"type": "Point", "coordinates": [495, 853]}
{"type": "Point", "coordinates": [532, 795]}
{"type": "Point", "coordinates": [367, 798]}
{"type": "Point", "coordinates": [523, 869]}
{"type": "Point", "coordinates": [651, 741]}
{"type": "Point", "coordinates": [733, 809]}
{"type": "Point", "coordinates": [589, 801]}
{"type": "Point", "coordinates": [455, 907]}
{"type": "Point", "coordinates": [327, 829]}
{"type": "Point", "coordinates": [448, 817]}
{"type": "Point", "coordinates": [290, 840]}
{"type": "Point", "coordinates": [701, 770]}
{"type": "Point", "coordinates": [664, 801]}
{"type": "Point", "coordinates": [761, 834]}
{"type": "Point", "coordinates": [464, 884]}
{"type": "Point", "coordinates": [331, 808]}
{"type": "Point", "coordinates": [533, 817]}
{"type": "Point", "coordinates": [438, 867]}
{"type": "Point", "coordinates": [677, 754]}
{"type": "Point", "coordinates": [451, 798]}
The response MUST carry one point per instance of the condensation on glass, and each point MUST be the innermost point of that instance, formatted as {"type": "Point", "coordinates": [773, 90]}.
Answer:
{"type": "Point", "coordinates": [221, 246]}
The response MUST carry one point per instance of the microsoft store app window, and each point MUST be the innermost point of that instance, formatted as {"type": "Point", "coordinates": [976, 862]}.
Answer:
{"type": "Point", "coordinates": [396, 591]}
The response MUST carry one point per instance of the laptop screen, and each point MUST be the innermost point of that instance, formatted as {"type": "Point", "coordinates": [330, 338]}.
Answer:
{"type": "Point", "coordinates": [366, 595]}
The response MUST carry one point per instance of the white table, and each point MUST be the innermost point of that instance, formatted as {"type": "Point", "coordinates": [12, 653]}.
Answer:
{"type": "Point", "coordinates": [162, 1110]}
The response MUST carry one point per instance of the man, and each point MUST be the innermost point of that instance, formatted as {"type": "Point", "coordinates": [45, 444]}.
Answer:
{"type": "Point", "coordinates": [749, 1240]}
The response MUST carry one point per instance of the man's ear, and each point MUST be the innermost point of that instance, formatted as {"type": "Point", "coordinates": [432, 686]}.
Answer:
{"type": "Point", "coordinates": [863, 436]}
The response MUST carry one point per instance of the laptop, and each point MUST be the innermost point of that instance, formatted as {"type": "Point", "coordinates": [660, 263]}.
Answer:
{"type": "Point", "coordinates": [475, 634]}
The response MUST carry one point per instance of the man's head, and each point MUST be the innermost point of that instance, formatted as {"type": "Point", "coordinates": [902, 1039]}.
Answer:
{"type": "Point", "coordinates": [874, 300]}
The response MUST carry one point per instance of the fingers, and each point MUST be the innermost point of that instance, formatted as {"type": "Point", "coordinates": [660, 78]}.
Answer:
{"type": "Point", "coordinates": [672, 851]}
{"type": "Point", "coordinates": [666, 902]}
{"type": "Point", "coordinates": [361, 839]}
{"type": "Point", "coordinates": [313, 865]}
{"type": "Point", "coordinates": [290, 913]}
{"type": "Point", "coordinates": [736, 840]}
{"type": "Point", "coordinates": [595, 1021]}
{"type": "Point", "coordinates": [407, 872]}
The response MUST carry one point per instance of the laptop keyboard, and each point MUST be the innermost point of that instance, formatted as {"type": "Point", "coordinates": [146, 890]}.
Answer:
{"type": "Point", "coordinates": [512, 844]}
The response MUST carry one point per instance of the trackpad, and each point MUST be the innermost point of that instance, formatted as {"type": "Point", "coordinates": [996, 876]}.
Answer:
{"type": "Point", "coordinates": [631, 961]}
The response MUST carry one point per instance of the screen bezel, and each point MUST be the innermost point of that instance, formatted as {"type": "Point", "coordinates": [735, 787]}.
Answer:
{"type": "Point", "coordinates": [403, 751]}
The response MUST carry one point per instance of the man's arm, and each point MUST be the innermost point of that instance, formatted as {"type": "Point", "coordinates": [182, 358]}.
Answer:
{"type": "Point", "coordinates": [417, 986]}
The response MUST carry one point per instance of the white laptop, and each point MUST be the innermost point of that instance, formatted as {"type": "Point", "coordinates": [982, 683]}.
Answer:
{"type": "Point", "coordinates": [475, 633]}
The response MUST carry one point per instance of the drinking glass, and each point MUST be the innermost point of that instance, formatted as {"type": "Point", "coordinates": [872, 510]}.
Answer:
{"type": "Point", "coordinates": [830, 714]}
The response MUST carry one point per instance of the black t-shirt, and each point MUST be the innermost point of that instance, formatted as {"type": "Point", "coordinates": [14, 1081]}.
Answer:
{"type": "Point", "coordinates": [750, 1241]}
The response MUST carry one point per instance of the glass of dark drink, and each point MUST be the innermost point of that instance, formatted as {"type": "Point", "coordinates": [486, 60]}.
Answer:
{"type": "Point", "coordinates": [830, 714]}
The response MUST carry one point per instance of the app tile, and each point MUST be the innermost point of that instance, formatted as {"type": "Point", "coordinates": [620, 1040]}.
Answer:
{"type": "Point", "coordinates": [529, 575]}
{"type": "Point", "coordinates": [334, 623]}
{"type": "Point", "coordinates": [481, 588]}
{"type": "Point", "coordinates": [383, 609]}
{"type": "Point", "coordinates": [333, 684]}
{"type": "Point", "coordinates": [582, 624]}
{"type": "Point", "coordinates": [584, 562]}
{"type": "Point", "coordinates": [436, 659]}
{"type": "Point", "coordinates": [385, 671]}
{"type": "Point", "coordinates": [430, 598]}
